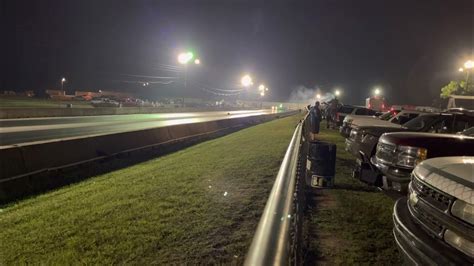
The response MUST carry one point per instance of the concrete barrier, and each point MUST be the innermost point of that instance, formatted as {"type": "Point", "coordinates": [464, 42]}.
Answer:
{"type": "Point", "coordinates": [25, 168]}
{"type": "Point", "coordinates": [11, 162]}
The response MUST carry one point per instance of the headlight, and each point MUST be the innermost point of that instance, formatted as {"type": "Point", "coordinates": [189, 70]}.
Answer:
{"type": "Point", "coordinates": [463, 211]}
{"type": "Point", "coordinates": [413, 198]}
{"type": "Point", "coordinates": [409, 157]}
{"type": "Point", "coordinates": [459, 243]}
{"type": "Point", "coordinates": [356, 135]}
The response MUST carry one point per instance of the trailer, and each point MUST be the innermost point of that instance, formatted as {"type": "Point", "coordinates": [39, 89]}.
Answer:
{"type": "Point", "coordinates": [377, 103]}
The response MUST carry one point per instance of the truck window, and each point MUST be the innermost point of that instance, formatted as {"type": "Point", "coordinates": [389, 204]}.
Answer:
{"type": "Point", "coordinates": [371, 112]}
{"type": "Point", "coordinates": [346, 109]}
{"type": "Point", "coordinates": [413, 115]}
{"type": "Point", "coordinates": [420, 122]}
{"type": "Point", "coordinates": [364, 112]}
{"type": "Point", "coordinates": [386, 116]}
{"type": "Point", "coordinates": [462, 123]}
{"type": "Point", "coordinates": [444, 125]}
{"type": "Point", "coordinates": [403, 119]}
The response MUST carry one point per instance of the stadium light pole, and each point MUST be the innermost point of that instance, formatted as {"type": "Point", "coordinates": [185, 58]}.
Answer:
{"type": "Point", "coordinates": [63, 79]}
{"type": "Point", "coordinates": [468, 65]}
{"type": "Point", "coordinates": [184, 58]}
{"type": "Point", "coordinates": [262, 94]}
{"type": "Point", "coordinates": [62, 83]}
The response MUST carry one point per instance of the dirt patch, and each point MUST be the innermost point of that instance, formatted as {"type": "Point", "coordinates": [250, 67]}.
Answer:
{"type": "Point", "coordinates": [321, 244]}
{"type": "Point", "coordinates": [324, 199]}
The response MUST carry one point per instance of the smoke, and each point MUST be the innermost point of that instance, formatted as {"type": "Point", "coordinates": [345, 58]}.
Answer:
{"type": "Point", "coordinates": [301, 94]}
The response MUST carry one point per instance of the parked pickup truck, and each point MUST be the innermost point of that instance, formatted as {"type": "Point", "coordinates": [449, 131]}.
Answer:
{"type": "Point", "coordinates": [388, 119]}
{"type": "Point", "coordinates": [434, 225]}
{"type": "Point", "coordinates": [354, 120]}
{"type": "Point", "coordinates": [398, 153]}
{"type": "Point", "coordinates": [362, 141]}
{"type": "Point", "coordinates": [345, 110]}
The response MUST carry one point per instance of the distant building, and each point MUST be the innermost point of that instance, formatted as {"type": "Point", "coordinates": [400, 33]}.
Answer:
{"type": "Point", "coordinates": [59, 95]}
{"type": "Point", "coordinates": [107, 94]}
{"type": "Point", "coordinates": [55, 93]}
{"type": "Point", "coordinates": [27, 93]}
{"type": "Point", "coordinates": [10, 93]}
{"type": "Point", "coordinates": [87, 95]}
{"type": "Point", "coordinates": [116, 94]}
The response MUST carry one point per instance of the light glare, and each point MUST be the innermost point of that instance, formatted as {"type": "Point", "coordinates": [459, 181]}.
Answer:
{"type": "Point", "coordinates": [246, 81]}
{"type": "Point", "coordinates": [469, 64]}
{"type": "Point", "coordinates": [184, 58]}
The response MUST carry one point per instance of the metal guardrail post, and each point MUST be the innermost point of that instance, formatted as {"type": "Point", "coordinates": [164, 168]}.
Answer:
{"type": "Point", "coordinates": [271, 244]}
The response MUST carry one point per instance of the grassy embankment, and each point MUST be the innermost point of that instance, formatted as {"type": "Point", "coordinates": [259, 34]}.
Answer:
{"type": "Point", "coordinates": [351, 223]}
{"type": "Point", "coordinates": [25, 102]}
{"type": "Point", "coordinates": [197, 206]}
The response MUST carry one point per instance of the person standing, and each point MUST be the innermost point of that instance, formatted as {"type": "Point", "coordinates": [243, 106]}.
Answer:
{"type": "Point", "coordinates": [333, 107]}
{"type": "Point", "coordinates": [315, 115]}
{"type": "Point", "coordinates": [328, 116]}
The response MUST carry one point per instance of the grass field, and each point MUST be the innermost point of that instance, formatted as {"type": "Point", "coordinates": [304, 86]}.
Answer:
{"type": "Point", "coordinates": [200, 205]}
{"type": "Point", "coordinates": [351, 223]}
{"type": "Point", "coordinates": [25, 102]}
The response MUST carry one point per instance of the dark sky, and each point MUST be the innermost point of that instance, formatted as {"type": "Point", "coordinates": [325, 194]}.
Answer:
{"type": "Point", "coordinates": [409, 48]}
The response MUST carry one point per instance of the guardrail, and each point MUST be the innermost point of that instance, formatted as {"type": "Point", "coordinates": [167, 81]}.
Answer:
{"type": "Point", "coordinates": [278, 236]}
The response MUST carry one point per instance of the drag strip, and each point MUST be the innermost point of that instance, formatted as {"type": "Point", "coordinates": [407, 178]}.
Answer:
{"type": "Point", "coordinates": [19, 131]}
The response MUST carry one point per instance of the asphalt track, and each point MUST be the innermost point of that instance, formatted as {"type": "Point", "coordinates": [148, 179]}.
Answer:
{"type": "Point", "coordinates": [26, 130]}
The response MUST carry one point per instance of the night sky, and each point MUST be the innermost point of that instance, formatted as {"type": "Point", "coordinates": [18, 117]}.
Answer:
{"type": "Point", "coordinates": [409, 48]}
